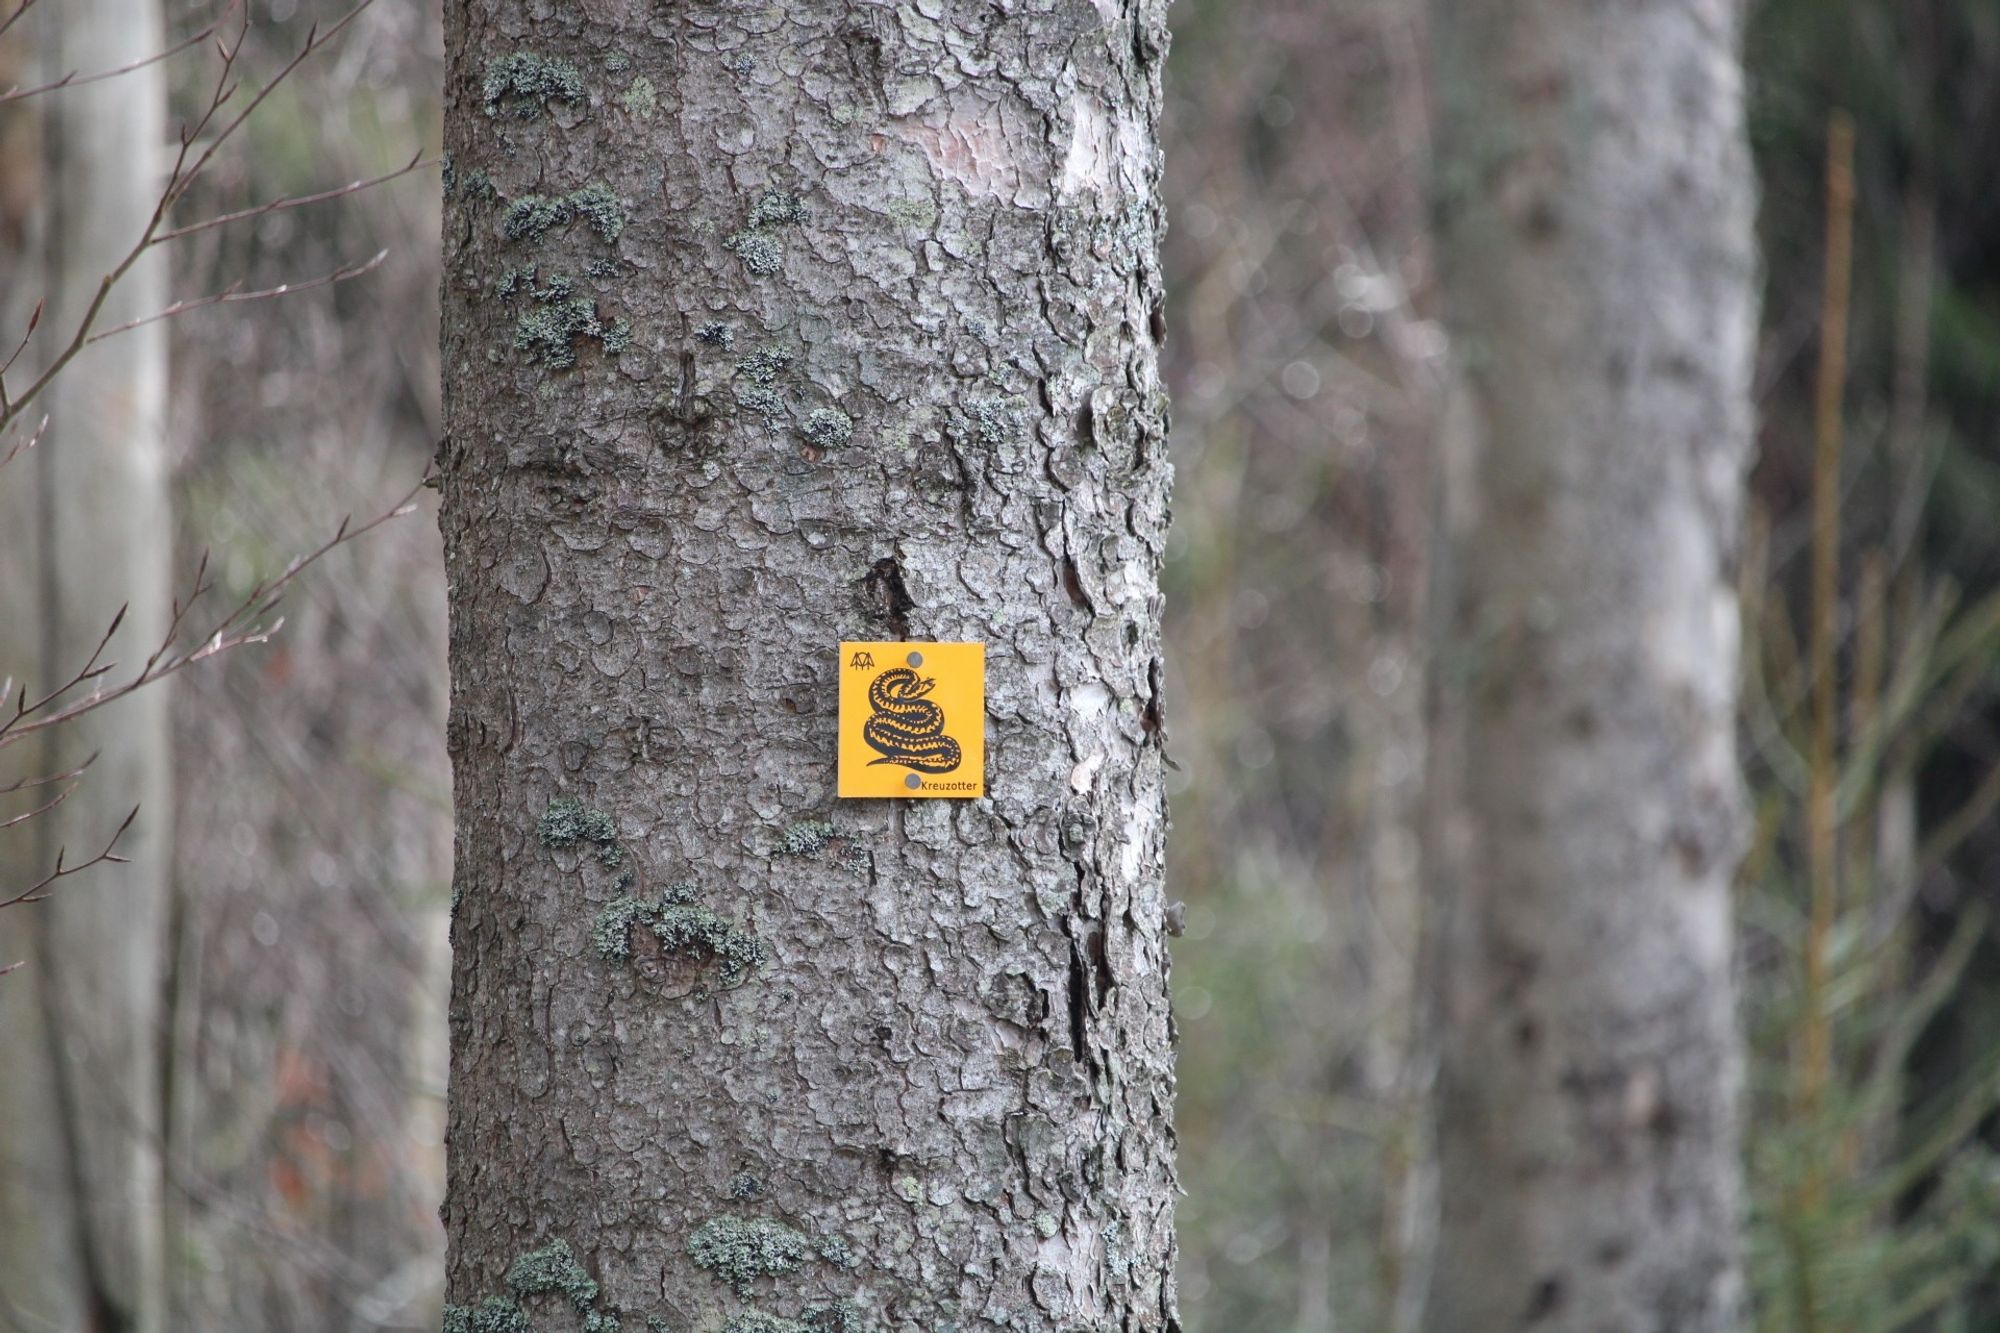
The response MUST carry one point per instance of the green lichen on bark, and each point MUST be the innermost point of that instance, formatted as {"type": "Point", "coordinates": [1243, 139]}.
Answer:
{"type": "Point", "coordinates": [762, 368]}
{"type": "Point", "coordinates": [761, 252]}
{"type": "Point", "coordinates": [496, 1314]}
{"type": "Point", "coordinates": [680, 928]}
{"type": "Point", "coordinates": [533, 216]}
{"type": "Point", "coordinates": [739, 1250]}
{"type": "Point", "coordinates": [474, 184]}
{"type": "Point", "coordinates": [989, 422]}
{"type": "Point", "coordinates": [764, 365]}
{"type": "Point", "coordinates": [698, 931]}
{"type": "Point", "coordinates": [808, 837]}
{"type": "Point", "coordinates": [523, 84]}
{"type": "Point", "coordinates": [611, 936]}
{"type": "Point", "coordinates": [918, 211]}
{"type": "Point", "coordinates": [839, 1317]}
{"type": "Point", "coordinates": [828, 428]}
{"type": "Point", "coordinates": [776, 208]}
{"type": "Point", "coordinates": [761, 255]}
{"type": "Point", "coordinates": [597, 204]}
{"type": "Point", "coordinates": [567, 821]}
{"type": "Point", "coordinates": [528, 217]}
{"type": "Point", "coordinates": [814, 838]}
{"type": "Point", "coordinates": [837, 1252]}
{"type": "Point", "coordinates": [756, 1321]}
{"type": "Point", "coordinates": [515, 282]}
{"type": "Point", "coordinates": [548, 332]}
{"type": "Point", "coordinates": [641, 99]}
{"type": "Point", "coordinates": [552, 1269]}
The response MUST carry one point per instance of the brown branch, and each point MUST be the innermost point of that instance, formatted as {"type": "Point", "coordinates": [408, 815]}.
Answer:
{"type": "Point", "coordinates": [39, 890]}
{"type": "Point", "coordinates": [22, 446]}
{"type": "Point", "coordinates": [34, 319]}
{"type": "Point", "coordinates": [5, 24]}
{"type": "Point", "coordinates": [182, 177]}
{"type": "Point", "coordinates": [295, 201]}
{"type": "Point", "coordinates": [73, 79]}
{"type": "Point", "coordinates": [41, 809]}
{"type": "Point", "coordinates": [89, 671]}
{"type": "Point", "coordinates": [230, 295]}
{"type": "Point", "coordinates": [238, 627]}
{"type": "Point", "coordinates": [25, 784]}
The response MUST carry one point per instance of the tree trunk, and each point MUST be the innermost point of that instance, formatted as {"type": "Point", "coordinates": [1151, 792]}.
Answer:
{"type": "Point", "coordinates": [766, 327]}
{"type": "Point", "coordinates": [1596, 209]}
{"type": "Point", "coordinates": [87, 527]}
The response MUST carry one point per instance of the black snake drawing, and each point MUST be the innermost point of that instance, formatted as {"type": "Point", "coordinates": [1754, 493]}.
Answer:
{"type": "Point", "coordinates": [907, 728]}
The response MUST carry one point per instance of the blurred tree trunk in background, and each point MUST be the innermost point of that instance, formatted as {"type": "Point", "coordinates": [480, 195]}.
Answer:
{"type": "Point", "coordinates": [87, 512]}
{"type": "Point", "coordinates": [1305, 363]}
{"type": "Point", "coordinates": [1595, 216]}
{"type": "Point", "coordinates": [765, 328]}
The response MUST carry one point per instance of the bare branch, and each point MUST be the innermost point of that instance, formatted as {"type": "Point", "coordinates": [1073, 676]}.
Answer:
{"type": "Point", "coordinates": [41, 809]}
{"type": "Point", "coordinates": [295, 201]}
{"type": "Point", "coordinates": [25, 784]}
{"type": "Point", "coordinates": [231, 295]}
{"type": "Point", "coordinates": [74, 80]}
{"type": "Point", "coordinates": [39, 890]}
{"type": "Point", "coordinates": [22, 446]}
{"type": "Point", "coordinates": [34, 318]}
{"type": "Point", "coordinates": [5, 24]}
{"type": "Point", "coordinates": [182, 178]}
{"type": "Point", "coordinates": [240, 626]}
{"type": "Point", "coordinates": [187, 168]}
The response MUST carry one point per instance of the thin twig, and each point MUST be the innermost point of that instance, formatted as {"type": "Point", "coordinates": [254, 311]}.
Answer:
{"type": "Point", "coordinates": [229, 296]}
{"type": "Point", "coordinates": [187, 168]}
{"type": "Point", "coordinates": [75, 80]}
{"type": "Point", "coordinates": [41, 809]}
{"type": "Point", "coordinates": [39, 890]}
{"type": "Point", "coordinates": [5, 24]}
{"type": "Point", "coordinates": [238, 627]}
{"type": "Point", "coordinates": [296, 201]}
{"type": "Point", "coordinates": [22, 446]}
{"type": "Point", "coordinates": [26, 784]}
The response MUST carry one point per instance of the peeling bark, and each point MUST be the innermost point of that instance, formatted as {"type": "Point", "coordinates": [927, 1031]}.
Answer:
{"type": "Point", "coordinates": [766, 327]}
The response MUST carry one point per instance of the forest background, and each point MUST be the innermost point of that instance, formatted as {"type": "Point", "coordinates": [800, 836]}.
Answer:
{"type": "Point", "coordinates": [311, 858]}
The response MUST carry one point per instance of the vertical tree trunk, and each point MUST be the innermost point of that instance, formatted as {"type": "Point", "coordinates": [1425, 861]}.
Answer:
{"type": "Point", "coordinates": [88, 515]}
{"type": "Point", "coordinates": [765, 327]}
{"type": "Point", "coordinates": [1596, 211]}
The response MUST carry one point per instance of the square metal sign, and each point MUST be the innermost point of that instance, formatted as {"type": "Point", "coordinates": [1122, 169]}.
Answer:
{"type": "Point", "coordinates": [913, 719]}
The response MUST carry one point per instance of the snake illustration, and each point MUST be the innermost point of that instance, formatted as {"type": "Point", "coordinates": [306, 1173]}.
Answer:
{"type": "Point", "coordinates": [907, 728]}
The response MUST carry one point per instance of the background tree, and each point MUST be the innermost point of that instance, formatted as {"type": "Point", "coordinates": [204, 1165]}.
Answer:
{"type": "Point", "coordinates": [87, 512]}
{"type": "Point", "coordinates": [761, 329]}
{"type": "Point", "coordinates": [1595, 214]}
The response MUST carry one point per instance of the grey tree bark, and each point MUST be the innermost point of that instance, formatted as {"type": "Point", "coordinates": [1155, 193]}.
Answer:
{"type": "Point", "coordinates": [1597, 255]}
{"type": "Point", "coordinates": [84, 523]}
{"type": "Point", "coordinates": [766, 326]}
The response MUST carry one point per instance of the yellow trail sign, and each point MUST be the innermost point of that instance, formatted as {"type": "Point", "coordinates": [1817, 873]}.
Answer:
{"type": "Point", "coordinates": [913, 719]}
